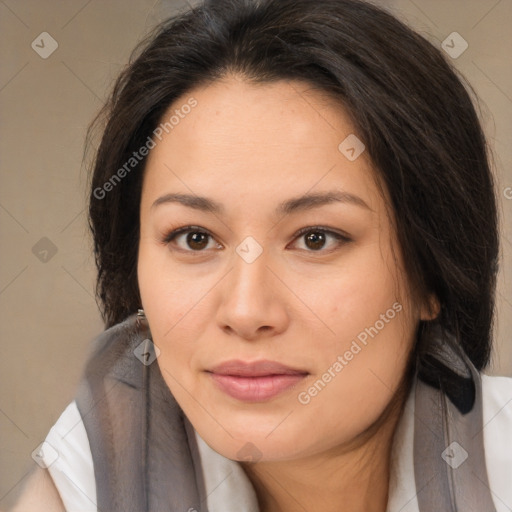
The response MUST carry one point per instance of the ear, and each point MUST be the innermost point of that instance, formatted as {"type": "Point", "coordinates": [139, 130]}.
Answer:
{"type": "Point", "coordinates": [430, 308]}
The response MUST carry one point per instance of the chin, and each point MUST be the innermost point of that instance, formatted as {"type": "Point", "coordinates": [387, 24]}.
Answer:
{"type": "Point", "coordinates": [248, 439]}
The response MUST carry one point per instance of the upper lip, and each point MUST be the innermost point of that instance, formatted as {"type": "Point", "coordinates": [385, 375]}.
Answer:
{"type": "Point", "coordinates": [239, 368]}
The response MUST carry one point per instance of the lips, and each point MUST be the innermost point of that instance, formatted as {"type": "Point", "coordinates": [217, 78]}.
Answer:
{"type": "Point", "coordinates": [255, 381]}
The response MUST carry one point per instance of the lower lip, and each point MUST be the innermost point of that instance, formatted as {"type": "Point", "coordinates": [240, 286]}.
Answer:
{"type": "Point", "coordinates": [255, 389]}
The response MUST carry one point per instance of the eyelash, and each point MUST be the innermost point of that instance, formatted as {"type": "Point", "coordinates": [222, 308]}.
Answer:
{"type": "Point", "coordinates": [340, 238]}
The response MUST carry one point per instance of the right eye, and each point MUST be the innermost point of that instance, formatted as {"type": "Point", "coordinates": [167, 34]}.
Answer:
{"type": "Point", "coordinates": [196, 239]}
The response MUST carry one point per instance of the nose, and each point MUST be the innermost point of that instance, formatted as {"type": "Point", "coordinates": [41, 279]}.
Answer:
{"type": "Point", "coordinates": [253, 300]}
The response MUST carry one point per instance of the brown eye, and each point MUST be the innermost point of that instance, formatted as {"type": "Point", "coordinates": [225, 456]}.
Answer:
{"type": "Point", "coordinates": [196, 240]}
{"type": "Point", "coordinates": [315, 240]}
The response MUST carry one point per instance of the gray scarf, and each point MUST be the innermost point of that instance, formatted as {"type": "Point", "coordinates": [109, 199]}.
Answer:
{"type": "Point", "coordinates": [146, 457]}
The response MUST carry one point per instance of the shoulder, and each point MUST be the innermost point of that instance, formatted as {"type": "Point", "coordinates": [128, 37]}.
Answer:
{"type": "Point", "coordinates": [39, 491]}
{"type": "Point", "coordinates": [67, 455]}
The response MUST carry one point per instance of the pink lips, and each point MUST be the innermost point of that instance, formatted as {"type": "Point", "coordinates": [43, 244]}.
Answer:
{"type": "Point", "coordinates": [255, 382]}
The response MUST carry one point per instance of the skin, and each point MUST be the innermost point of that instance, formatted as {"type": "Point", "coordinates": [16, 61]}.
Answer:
{"type": "Point", "coordinates": [39, 493]}
{"type": "Point", "coordinates": [251, 147]}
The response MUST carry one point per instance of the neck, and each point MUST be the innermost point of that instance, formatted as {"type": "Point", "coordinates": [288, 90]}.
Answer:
{"type": "Point", "coordinates": [354, 477]}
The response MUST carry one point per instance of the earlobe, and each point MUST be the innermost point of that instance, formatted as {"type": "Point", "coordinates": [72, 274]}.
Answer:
{"type": "Point", "coordinates": [431, 308]}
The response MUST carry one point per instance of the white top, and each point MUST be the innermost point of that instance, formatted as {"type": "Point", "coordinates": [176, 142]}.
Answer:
{"type": "Point", "coordinates": [229, 489]}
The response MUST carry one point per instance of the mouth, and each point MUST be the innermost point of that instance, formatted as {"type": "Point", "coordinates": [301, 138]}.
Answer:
{"type": "Point", "coordinates": [257, 381]}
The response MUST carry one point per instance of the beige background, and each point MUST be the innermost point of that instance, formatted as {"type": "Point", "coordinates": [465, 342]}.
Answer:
{"type": "Point", "coordinates": [48, 313]}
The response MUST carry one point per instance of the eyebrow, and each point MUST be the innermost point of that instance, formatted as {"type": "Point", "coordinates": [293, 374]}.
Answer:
{"type": "Point", "coordinates": [301, 203]}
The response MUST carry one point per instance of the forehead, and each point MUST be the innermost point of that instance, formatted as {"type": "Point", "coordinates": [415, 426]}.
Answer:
{"type": "Point", "coordinates": [272, 139]}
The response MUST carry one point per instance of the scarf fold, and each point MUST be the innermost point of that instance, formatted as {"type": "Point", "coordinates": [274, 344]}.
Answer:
{"type": "Point", "coordinates": [449, 456]}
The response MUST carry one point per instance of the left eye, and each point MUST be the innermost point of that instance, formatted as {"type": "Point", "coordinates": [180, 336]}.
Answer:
{"type": "Point", "coordinates": [315, 238]}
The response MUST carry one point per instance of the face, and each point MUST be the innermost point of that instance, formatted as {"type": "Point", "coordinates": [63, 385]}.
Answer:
{"type": "Point", "coordinates": [280, 307]}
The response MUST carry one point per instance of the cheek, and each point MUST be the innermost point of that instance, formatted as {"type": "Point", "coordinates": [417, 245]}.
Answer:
{"type": "Point", "coordinates": [161, 294]}
{"type": "Point", "coordinates": [359, 372]}
{"type": "Point", "coordinates": [353, 388]}
{"type": "Point", "coordinates": [354, 297]}
{"type": "Point", "coordinates": [176, 305]}
{"type": "Point", "coordinates": [167, 296]}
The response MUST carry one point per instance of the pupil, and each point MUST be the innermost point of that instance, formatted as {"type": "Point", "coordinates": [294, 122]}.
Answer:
{"type": "Point", "coordinates": [194, 240]}
{"type": "Point", "coordinates": [317, 239]}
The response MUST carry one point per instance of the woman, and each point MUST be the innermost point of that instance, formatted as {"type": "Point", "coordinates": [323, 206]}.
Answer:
{"type": "Point", "coordinates": [295, 229]}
